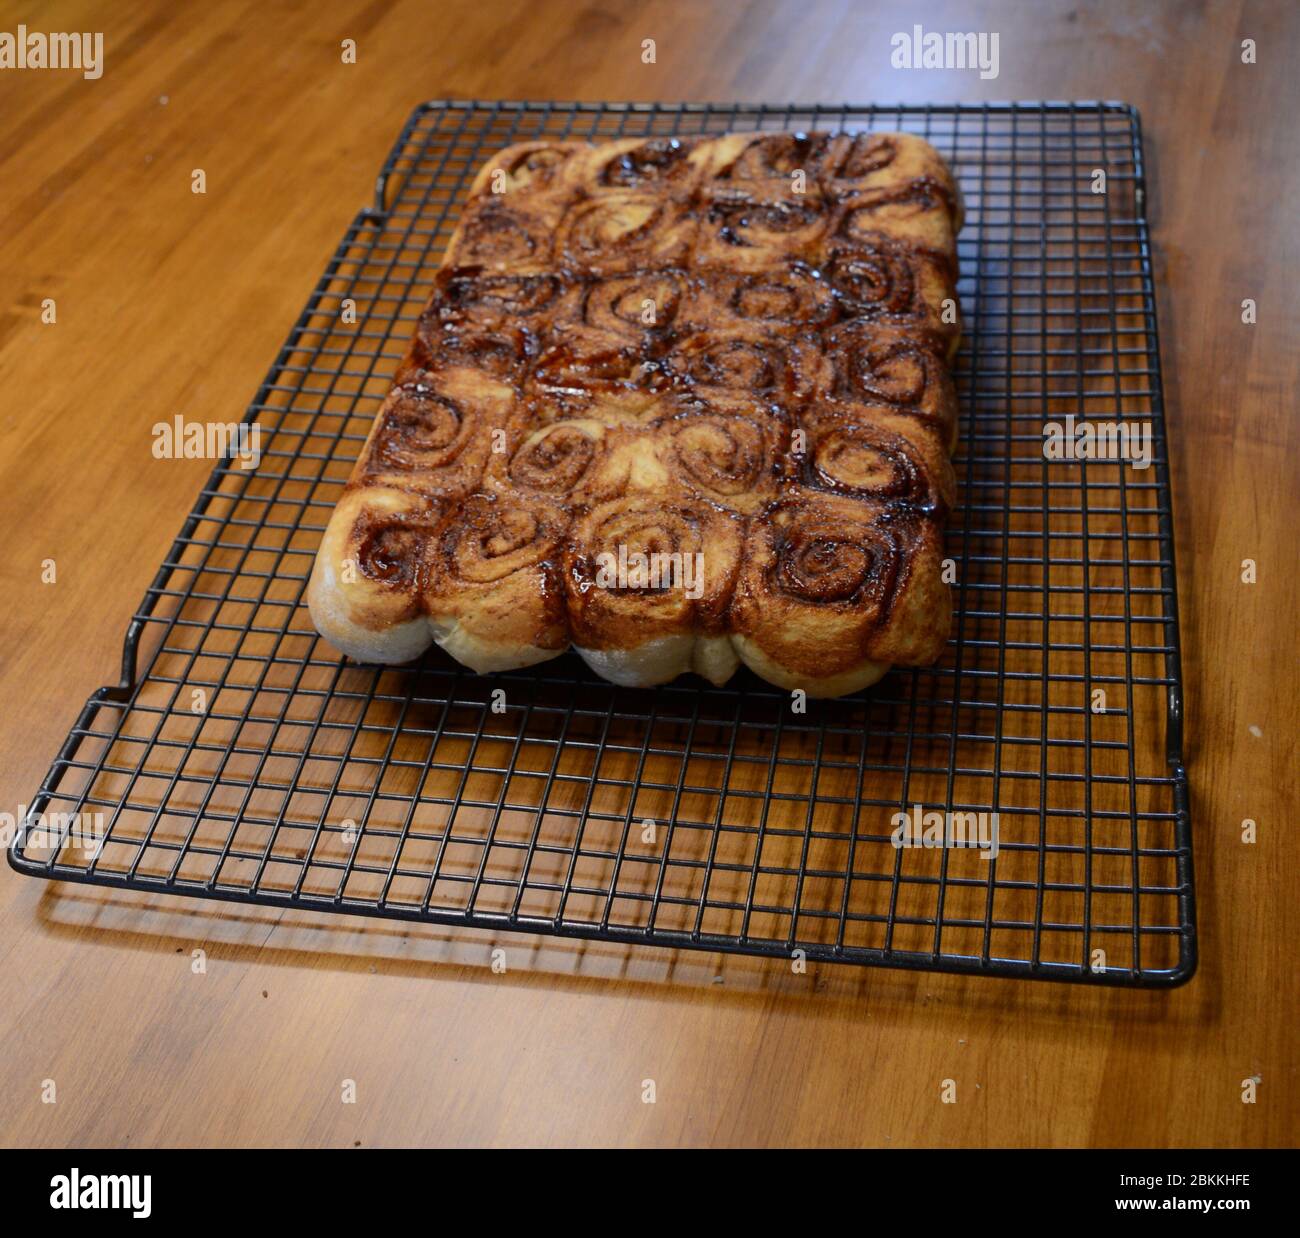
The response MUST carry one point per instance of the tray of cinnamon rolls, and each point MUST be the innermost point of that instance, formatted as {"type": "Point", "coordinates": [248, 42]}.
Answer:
{"type": "Point", "coordinates": [681, 405]}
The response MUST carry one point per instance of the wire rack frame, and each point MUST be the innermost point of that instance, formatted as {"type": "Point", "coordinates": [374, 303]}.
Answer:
{"type": "Point", "coordinates": [240, 759]}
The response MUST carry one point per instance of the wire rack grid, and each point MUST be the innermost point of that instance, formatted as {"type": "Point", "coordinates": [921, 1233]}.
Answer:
{"type": "Point", "coordinates": [240, 758]}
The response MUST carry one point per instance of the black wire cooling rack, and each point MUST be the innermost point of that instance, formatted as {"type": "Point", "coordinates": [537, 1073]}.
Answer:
{"type": "Point", "coordinates": [240, 759]}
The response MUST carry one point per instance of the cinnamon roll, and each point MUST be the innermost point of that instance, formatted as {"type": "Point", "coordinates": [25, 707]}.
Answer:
{"type": "Point", "coordinates": [492, 588]}
{"type": "Point", "coordinates": [769, 156]}
{"type": "Point", "coordinates": [786, 298]}
{"type": "Point", "coordinates": [367, 578]}
{"type": "Point", "coordinates": [786, 368]}
{"type": "Point", "coordinates": [861, 156]}
{"type": "Point", "coordinates": [737, 361]}
{"type": "Point", "coordinates": [877, 454]}
{"type": "Point", "coordinates": [678, 404]}
{"type": "Point", "coordinates": [503, 355]}
{"type": "Point", "coordinates": [537, 167]}
{"type": "Point", "coordinates": [491, 322]}
{"type": "Point", "coordinates": [725, 449]}
{"type": "Point", "coordinates": [893, 283]}
{"type": "Point", "coordinates": [752, 229]}
{"type": "Point", "coordinates": [916, 213]}
{"type": "Point", "coordinates": [503, 236]}
{"type": "Point", "coordinates": [834, 589]}
{"type": "Point", "coordinates": [648, 584]}
{"type": "Point", "coordinates": [470, 298]}
{"type": "Point", "coordinates": [610, 333]}
{"type": "Point", "coordinates": [875, 363]}
{"type": "Point", "coordinates": [433, 433]}
{"type": "Point", "coordinates": [571, 460]}
{"type": "Point", "coordinates": [871, 161]}
{"type": "Point", "coordinates": [663, 164]}
{"type": "Point", "coordinates": [633, 304]}
{"type": "Point", "coordinates": [623, 229]}
{"type": "Point", "coordinates": [556, 458]}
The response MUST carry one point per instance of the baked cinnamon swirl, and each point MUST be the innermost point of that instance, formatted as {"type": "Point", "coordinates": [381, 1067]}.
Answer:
{"type": "Point", "coordinates": [877, 363]}
{"type": "Point", "coordinates": [649, 582]}
{"type": "Point", "coordinates": [667, 164]}
{"type": "Point", "coordinates": [503, 237]}
{"type": "Point", "coordinates": [622, 229]}
{"type": "Point", "coordinates": [917, 213]}
{"type": "Point", "coordinates": [752, 226]}
{"type": "Point", "coordinates": [726, 449]}
{"type": "Point", "coordinates": [771, 156]}
{"type": "Point", "coordinates": [677, 403]}
{"type": "Point", "coordinates": [434, 431]}
{"type": "Point", "coordinates": [574, 459]}
{"type": "Point", "coordinates": [492, 588]}
{"type": "Point", "coordinates": [788, 368]}
{"type": "Point", "coordinates": [876, 453]}
{"type": "Point", "coordinates": [834, 589]}
{"type": "Point", "coordinates": [368, 575]}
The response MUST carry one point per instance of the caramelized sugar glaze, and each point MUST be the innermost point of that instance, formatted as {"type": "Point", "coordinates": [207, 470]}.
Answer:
{"type": "Point", "coordinates": [734, 350]}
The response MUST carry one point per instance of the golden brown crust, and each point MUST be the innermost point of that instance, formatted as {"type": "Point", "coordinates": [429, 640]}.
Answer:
{"type": "Point", "coordinates": [734, 348]}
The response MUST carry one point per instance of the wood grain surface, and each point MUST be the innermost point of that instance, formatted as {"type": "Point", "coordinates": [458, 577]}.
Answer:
{"type": "Point", "coordinates": [172, 301]}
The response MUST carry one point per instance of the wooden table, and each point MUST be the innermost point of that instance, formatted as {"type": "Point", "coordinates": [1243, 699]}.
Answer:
{"type": "Point", "coordinates": [169, 301]}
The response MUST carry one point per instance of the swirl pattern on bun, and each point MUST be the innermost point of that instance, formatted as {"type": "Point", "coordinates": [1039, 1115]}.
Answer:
{"type": "Point", "coordinates": [633, 304]}
{"type": "Point", "coordinates": [875, 363]}
{"type": "Point", "coordinates": [726, 450]}
{"type": "Point", "coordinates": [877, 454]}
{"type": "Point", "coordinates": [753, 229]}
{"type": "Point", "coordinates": [917, 213]}
{"type": "Point", "coordinates": [834, 588]}
{"type": "Point", "coordinates": [785, 298]}
{"type": "Point", "coordinates": [893, 283]}
{"type": "Point", "coordinates": [434, 431]}
{"type": "Point", "coordinates": [640, 568]}
{"type": "Point", "coordinates": [493, 591]}
{"type": "Point", "coordinates": [624, 229]}
{"type": "Point", "coordinates": [531, 164]}
{"type": "Point", "coordinates": [775, 155]}
{"type": "Point", "coordinates": [637, 163]}
{"type": "Point", "coordinates": [503, 237]}
{"type": "Point", "coordinates": [787, 367]}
